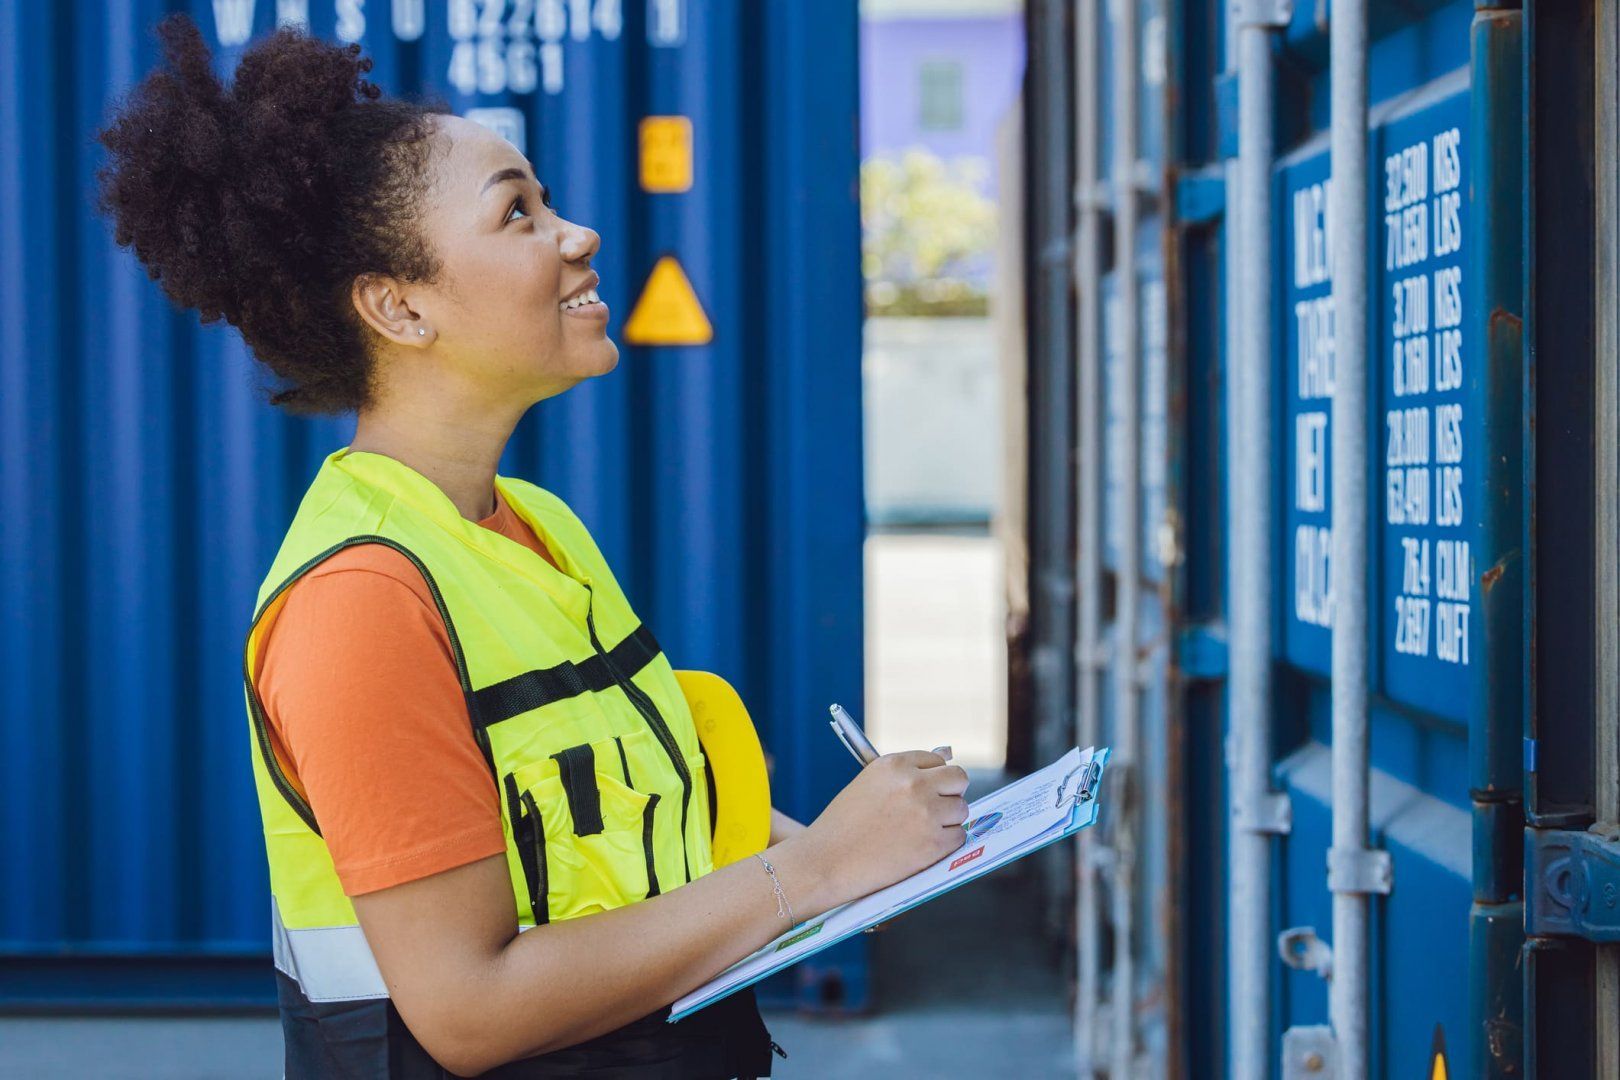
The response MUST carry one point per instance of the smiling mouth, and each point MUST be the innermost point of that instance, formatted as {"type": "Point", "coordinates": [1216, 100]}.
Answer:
{"type": "Point", "coordinates": [584, 299]}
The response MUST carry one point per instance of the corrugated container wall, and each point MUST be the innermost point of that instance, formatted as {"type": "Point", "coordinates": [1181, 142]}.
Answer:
{"type": "Point", "coordinates": [1206, 365]}
{"type": "Point", "coordinates": [145, 485]}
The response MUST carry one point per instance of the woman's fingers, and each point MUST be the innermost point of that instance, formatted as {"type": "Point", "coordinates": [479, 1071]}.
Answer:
{"type": "Point", "coordinates": [913, 759]}
{"type": "Point", "coordinates": [953, 810]}
{"type": "Point", "coordinates": [949, 779]}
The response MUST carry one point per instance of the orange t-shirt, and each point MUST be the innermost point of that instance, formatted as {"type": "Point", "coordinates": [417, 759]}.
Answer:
{"type": "Point", "coordinates": [366, 712]}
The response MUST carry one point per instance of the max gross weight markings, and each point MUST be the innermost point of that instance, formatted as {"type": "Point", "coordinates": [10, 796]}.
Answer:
{"type": "Point", "coordinates": [1423, 565]}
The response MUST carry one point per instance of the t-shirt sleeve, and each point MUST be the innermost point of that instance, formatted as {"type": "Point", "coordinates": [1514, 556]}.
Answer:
{"type": "Point", "coordinates": [361, 691]}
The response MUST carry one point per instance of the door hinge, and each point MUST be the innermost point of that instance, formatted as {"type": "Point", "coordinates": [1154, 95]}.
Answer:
{"type": "Point", "coordinates": [1270, 14]}
{"type": "Point", "coordinates": [1572, 884]}
{"type": "Point", "coordinates": [1360, 870]}
{"type": "Point", "coordinates": [1272, 814]}
{"type": "Point", "coordinates": [1201, 651]}
{"type": "Point", "coordinates": [1200, 199]}
{"type": "Point", "coordinates": [1309, 1053]}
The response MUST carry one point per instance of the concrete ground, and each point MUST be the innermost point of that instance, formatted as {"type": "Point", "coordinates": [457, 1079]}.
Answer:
{"type": "Point", "coordinates": [966, 989]}
{"type": "Point", "coordinates": [965, 985]}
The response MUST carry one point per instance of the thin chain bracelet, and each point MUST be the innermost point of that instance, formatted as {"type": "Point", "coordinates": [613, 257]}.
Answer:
{"type": "Point", "coordinates": [783, 908]}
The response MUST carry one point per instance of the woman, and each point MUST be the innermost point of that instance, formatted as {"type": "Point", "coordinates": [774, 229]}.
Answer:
{"type": "Point", "coordinates": [460, 728]}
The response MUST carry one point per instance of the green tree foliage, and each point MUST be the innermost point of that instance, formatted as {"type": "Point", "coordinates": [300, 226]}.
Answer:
{"type": "Point", "coordinates": [924, 224]}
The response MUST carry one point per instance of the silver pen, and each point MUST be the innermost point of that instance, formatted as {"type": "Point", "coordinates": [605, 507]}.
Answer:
{"type": "Point", "coordinates": [850, 734]}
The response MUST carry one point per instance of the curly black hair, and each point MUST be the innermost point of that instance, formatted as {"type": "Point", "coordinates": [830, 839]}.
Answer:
{"type": "Point", "coordinates": [260, 203]}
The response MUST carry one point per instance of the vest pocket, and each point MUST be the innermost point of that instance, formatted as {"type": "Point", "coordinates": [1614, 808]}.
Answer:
{"type": "Point", "coordinates": [648, 821]}
{"type": "Point", "coordinates": [538, 868]}
{"type": "Point", "coordinates": [649, 817]}
{"type": "Point", "coordinates": [700, 844]}
{"type": "Point", "coordinates": [595, 833]}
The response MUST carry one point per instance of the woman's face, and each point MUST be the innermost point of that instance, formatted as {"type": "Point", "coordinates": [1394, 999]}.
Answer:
{"type": "Point", "coordinates": [513, 310]}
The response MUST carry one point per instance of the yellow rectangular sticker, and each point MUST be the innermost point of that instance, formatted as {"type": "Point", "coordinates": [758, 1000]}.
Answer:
{"type": "Point", "coordinates": [666, 154]}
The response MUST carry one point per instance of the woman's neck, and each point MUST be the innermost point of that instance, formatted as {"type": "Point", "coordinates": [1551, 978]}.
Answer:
{"type": "Point", "coordinates": [458, 456]}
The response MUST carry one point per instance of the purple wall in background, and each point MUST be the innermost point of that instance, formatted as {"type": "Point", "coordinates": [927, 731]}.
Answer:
{"type": "Point", "coordinates": [893, 51]}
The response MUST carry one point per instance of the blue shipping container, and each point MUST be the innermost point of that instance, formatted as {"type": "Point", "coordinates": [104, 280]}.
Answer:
{"type": "Point", "coordinates": [1484, 552]}
{"type": "Point", "coordinates": [145, 486]}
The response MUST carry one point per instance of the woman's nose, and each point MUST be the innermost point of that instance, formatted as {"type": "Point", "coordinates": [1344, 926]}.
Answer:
{"type": "Point", "coordinates": [579, 243]}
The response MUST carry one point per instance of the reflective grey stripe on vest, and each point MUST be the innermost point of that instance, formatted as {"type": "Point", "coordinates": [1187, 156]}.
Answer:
{"type": "Point", "coordinates": [329, 963]}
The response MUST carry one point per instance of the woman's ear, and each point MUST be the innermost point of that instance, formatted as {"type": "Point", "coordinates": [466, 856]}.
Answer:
{"type": "Point", "coordinates": [384, 304]}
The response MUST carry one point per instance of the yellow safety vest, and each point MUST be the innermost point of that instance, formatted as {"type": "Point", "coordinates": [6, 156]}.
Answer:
{"type": "Point", "coordinates": [604, 787]}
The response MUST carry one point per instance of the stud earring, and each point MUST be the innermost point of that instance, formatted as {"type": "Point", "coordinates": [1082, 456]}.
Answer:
{"type": "Point", "coordinates": [421, 331]}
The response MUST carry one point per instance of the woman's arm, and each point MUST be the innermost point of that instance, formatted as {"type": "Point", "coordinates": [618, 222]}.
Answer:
{"type": "Point", "coordinates": [783, 826]}
{"type": "Point", "coordinates": [478, 994]}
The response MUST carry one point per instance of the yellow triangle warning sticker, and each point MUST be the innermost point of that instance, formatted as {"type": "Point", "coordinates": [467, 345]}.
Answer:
{"type": "Point", "coordinates": [668, 312]}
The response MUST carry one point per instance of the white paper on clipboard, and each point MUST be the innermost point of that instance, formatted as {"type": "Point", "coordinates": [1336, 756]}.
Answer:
{"type": "Point", "coordinates": [1004, 826]}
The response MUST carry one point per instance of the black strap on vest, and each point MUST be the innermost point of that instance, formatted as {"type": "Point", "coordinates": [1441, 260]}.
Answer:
{"type": "Point", "coordinates": [543, 686]}
{"type": "Point", "coordinates": [576, 767]}
{"type": "Point", "coordinates": [261, 723]}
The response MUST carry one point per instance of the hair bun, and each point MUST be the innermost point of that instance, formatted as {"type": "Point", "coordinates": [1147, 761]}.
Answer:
{"type": "Point", "coordinates": [206, 181]}
{"type": "Point", "coordinates": [259, 202]}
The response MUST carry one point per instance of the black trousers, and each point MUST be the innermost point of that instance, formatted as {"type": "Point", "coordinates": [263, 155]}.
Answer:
{"type": "Point", "coordinates": [367, 1040]}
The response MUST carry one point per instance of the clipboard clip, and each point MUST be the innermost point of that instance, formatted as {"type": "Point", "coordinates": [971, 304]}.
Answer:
{"type": "Point", "coordinates": [1085, 779]}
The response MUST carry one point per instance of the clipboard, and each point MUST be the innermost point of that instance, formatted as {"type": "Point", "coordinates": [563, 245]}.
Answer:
{"type": "Point", "coordinates": [1049, 805]}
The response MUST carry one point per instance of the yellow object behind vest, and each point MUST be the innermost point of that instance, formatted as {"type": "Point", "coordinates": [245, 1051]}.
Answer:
{"type": "Point", "coordinates": [742, 789]}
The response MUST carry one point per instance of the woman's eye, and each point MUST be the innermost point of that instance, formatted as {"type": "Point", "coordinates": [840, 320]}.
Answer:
{"type": "Point", "coordinates": [521, 203]}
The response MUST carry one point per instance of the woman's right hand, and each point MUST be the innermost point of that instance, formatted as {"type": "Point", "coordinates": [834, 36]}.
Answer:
{"type": "Point", "coordinates": [903, 812]}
